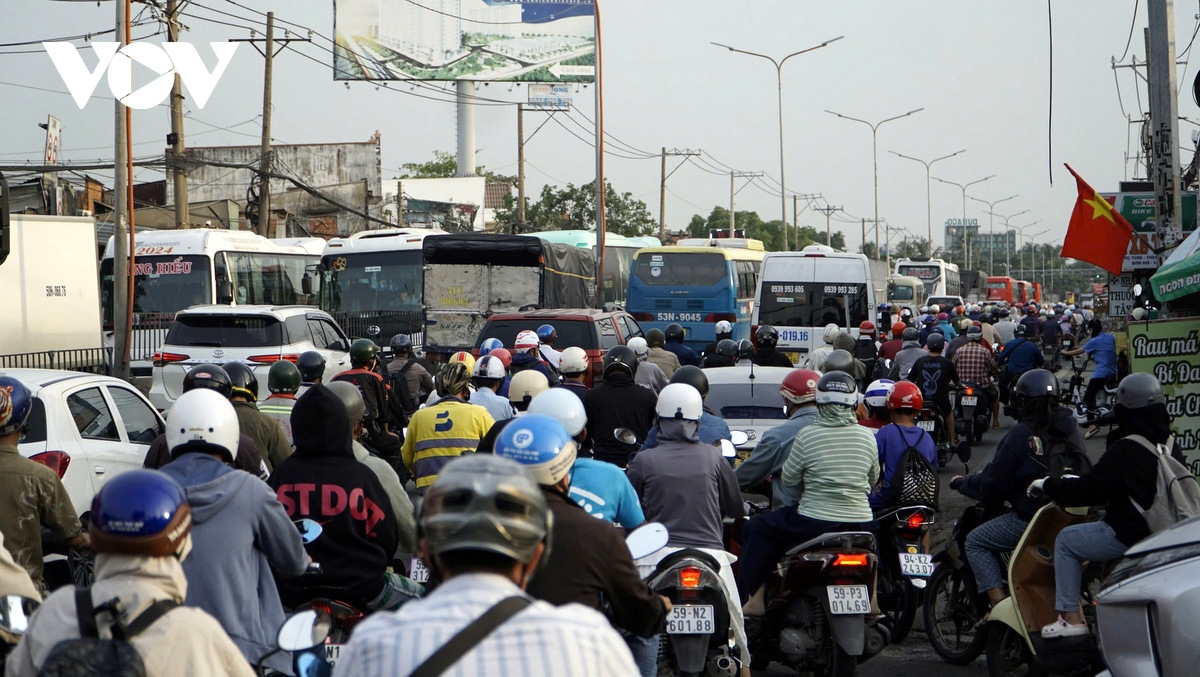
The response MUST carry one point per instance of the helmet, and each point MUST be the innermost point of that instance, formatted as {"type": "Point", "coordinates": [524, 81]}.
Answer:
{"type": "Point", "coordinates": [674, 332]}
{"type": "Point", "coordinates": [620, 358]}
{"type": "Point", "coordinates": [943, 317]}
{"type": "Point", "coordinates": [525, 341]}
{"type": "Point", "coordinates": [837, 387]}
{"type": "Point", "coordinates": [311, 365]}
{"type": "Point", "coordinates": [766, 337]}
{"type": "Point", "coordinates": [935, 308]}
{"type": "Point", "coordinates": [639, 347]}
{"type": "Point", "coordinates": [680, 401]}
{"type": "Point", "coordinates": [898, 328]}
{"type": "Point", "coordinates": [283, 377]}
{"type": "Point", "coordinates": [1138, 390]}
{"type": "Point", "coordinates": [563, 406]}
{"type": "Point", "coordinates": [839, 360]}
{"type": "Point", "coordinates": [452, 379]}
{"type": "Point", "coordinates": [724, 329]}
{"type": "Point", "coordinates": [540, 444]}
{"type": "Point", "coordinates": [877, 393]}
{"type": "Point", "coordinates": [910, 334]}
{"type": "Point", "coordinates": [975, 334]}
{"type": "Point", "coordinates": [574, 360]}
{"type": "Point", "coordinates": [655, 337]}
{"type": "Point", "coordinates": [15, 404]}
{"type": "Point", "coordinates": [483, 502]}
{"type": "Point", "coordinates": [831, 330]}
{"type": "Point", "coordinates": [867, 328]}
{"type": "Point", "coordinates": [210, 376]}
{"type": "Point", "coordinates": [242, 379]}
{"type": "Point", "coordinates": [401, 345]}
{"type": "Point", "coordinates": [488, 345]}
{"type": "Point", "coordinates": [525, 386]}
{"type": "Point", "coordinates": [693, 376]}
{"type": "Point", "coordinates": [800, 386]}
{"type": "Point", "coordinates": [202, 420]}
{"type": "Point", "coordinates": [140, 512]}
{"type": "Point", "coordinates": [362, 352]}
{"type": "Point", "coordinates": [489, 367]}
{"type": "Point", "coordinates": [905, 395]}
{"type": "Point", "coordinates": [504, 356]}
{"type": "Point", "coordinates": [1037, 383]}
{"type": "Point", "coordinates": [727, 347]}
{"type": "Point", "coordinates": [464, 358]}
{"type": "Point", "coordinates": [935, 342]}
{"type": "Point", "coordinates": [352, 398]}
{"type": "Point", "coordinates": [905, 313]}
{"type": "Point", "coordinates": [1019, 330]}
{"type": "Point", "coordinates": [546, 333]}
{"type": "Point", "coordinates": [986, 318]}
{"type": "Point", "coordinates": [745, 349]}
{"type": "Point", "coordinates": [929, 320]}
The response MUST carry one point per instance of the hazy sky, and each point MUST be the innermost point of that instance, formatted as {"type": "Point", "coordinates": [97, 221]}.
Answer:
{"type": "Point", "coordinates": [979, 68]}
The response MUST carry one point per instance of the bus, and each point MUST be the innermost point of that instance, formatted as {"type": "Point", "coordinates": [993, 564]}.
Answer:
{"type": "Point", "coordinates": [803, 291]}
{"type": "Point", "coordinates": [618, 256]}
{"type": "Point", "coordinates": [940, 277]}
{"type": "Point", "coordinates": [696, 284]}
{"type": "Point", "coordinates": [371, 283]}
{"type": "Point", "coordinates": [1025, 292]}
{"type": "Point", "coordinates": [1000, 288]}
{"type": "Point", "coordinates": [177, 269]}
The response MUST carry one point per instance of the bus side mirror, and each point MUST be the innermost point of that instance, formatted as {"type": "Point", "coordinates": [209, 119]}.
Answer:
{"type": "Point", "coordinates": [225, 292]}
{"type": "Point", "coordinates": [306, 284]}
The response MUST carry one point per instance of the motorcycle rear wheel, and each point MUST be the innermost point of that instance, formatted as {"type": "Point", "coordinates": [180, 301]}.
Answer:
{"type": "Point", "coordinates": [950, 616]}
{"type": "Point", "coordinates": [1008, 655]}
{"type": "Point", "coordinates": [844, 665]}
{"type": "Point", "coordinates": [900, 619]}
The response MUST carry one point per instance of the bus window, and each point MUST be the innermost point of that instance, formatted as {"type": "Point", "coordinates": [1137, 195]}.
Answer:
{"type": "Point", "coordinates": [813, 304]}
{"type": "Point", "coordinates": [162, 284]}
{"type": "Point", "coordinates": [681, 270]}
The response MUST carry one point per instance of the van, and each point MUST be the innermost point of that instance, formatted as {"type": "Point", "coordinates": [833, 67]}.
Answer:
{"type": "Point", "coordinates": [801, 292]}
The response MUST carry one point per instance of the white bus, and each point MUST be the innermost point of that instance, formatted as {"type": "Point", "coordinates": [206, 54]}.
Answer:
{"type": "Point", "coordinates": [941, 278]}
{"type": "Point", "coordinates": [618, 256]}
{"type": "Point", "coordinates": [801, 292]}
{"type": "Point", "coordinates": [177, 269]}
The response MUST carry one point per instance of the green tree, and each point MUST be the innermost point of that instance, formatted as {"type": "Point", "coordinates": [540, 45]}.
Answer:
{"type": "Point", "coordinates": [770, 232]}
{"type": "Point", "coordinates": [574, 208]}
{"type": "Point", "coordinates": [444, 166]}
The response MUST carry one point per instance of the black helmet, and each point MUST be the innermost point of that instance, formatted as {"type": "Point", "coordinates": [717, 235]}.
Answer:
{"type": "Point", "coordinates": [1019, 330]}
{"type": "Point", "coordinates": [935, 342]}
{"type": "Point", "coordinates": [1037, 383]}
{"type": "Point", "coordinates": [837, 387]}
{"type": "Point", "coordinates": [620, 358]}
{"type": "Point", "coordinates": [1139, 390]}
{"type": "Point", "coordinates": [311, 365]}
{"type": "Point", "coordinates": [910, 334]}
{"type": "Point", "coordinates": [655, 337]}
{"type": "Point", "coordinates": [839, 360]}
{"type": "Point", "coordinates": [975, 334]}
{"type": "Point", "coordinates": [283, 377]}
{"type": "Point", "coordinates": [766, 336]}
{"type": "Point", "coordinates": [986, 318]}
{"type": "Point", "coordinates": [242, 379]}
{"type": "Point", "coordinates": [211, 376]}
{"type": "Point", "coordinates": [674, 332]}
{"type": "Point", "coordinates": [693, 376]}
{"type": "Point", "coordinates": [401, 344]}
{"type": "Point", "coordinates": [727, 347]}
{"type": "Point", "coordinates": [362, 352]}
{"type": "Point", "coordinates": [745, 349]}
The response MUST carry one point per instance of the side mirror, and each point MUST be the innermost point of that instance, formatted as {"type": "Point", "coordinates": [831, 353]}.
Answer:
{"type": "Point", "coordinates": [306, 284]}
{"type": "Point", "coordinates": [646, 540]}
{"type": "Point", "coordinates": [625, 436]}
{"type": "Point", "coordinates": [738, 437]}
{"type": "Point", "coordinates": [15, 611]}
{"type": "Point", "coordinates": [304, 630]}
{"type": "Point", "coordinates": [225, 293]}
{"type": "Point", "coordinates": [310, 530]}
{"type": "Point", "coordinates": [727, 449]}
{"type": "Point", "coordinates": [964, 452]}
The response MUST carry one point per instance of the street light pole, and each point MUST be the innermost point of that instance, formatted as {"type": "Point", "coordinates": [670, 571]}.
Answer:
{"type": "Point", "coordinates": [875, 157]}
{"type": "Point", "coordinates": [1021, 231]}
{"type": "Point", "coordinates": [779, 84]}
{"type": "Point", "coordinates": [1007, 249]}
{"type": "Point", "coordinates": [963, 187]}
{"type": "Point", "coordinates": [991, 229]}
{"type": "Point", "coordinates": [928, 201]}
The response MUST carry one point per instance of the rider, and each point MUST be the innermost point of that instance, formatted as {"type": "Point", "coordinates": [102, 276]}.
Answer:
{"type": "Point", "coordinates": [283, 380]}
{"type": "Point", "coordinates": [574, 365]}
{"type": "Point", "coordinates": [745, 350]}
{"type": "Point", "coordinates": [1031, 322]}
{"type": "Point", "coordinates": [1020, 355]}
{"type": "Point", "coordinates": [487, 377]}
{"type": "Point", "coordinates": [140, 527]}
{"type": "Point", "coordinates": [648, 375]}
{"type": "Point", "coordinates": [723, 330]}
{"type": "Point", "coordinates": [987, 324]}
{"type": "Point", "coordinates": [873, 412]}
{"type": "Point", "coordinates": [904, 402]}
{"type": "Point", "coordinates": [947, 329]}
{"type": "Point", "coordinates": [929, 326]}
{"type": "Point", "coordinates": [525, 387]}
{"type": "Point", "coordinates": [240, 533]}
{"type": "Point", "coordinates": [410, 381]}
{"type": "Point", "coordinates": [440, 432]}
{"type": "Point", "coordinates": [363, 360]}
{"type": "Point", "coordinates": [618, 402]}
{"type": "Point", "coordinates": [312, 370]}
{"type": "Point", "coordinates": [908, 355]}
{"type": "Point", "coordinates": [765, 339]}
{"type": "Point", "coordinates": [526, 356]}
{"type": "Point", "coordinates": [976, 364]}
{"type": "Point", "coordinates": [674, 335]}
{"type": "Point", "coordinates": [866, 349]}
{"type": "Point", "coordinates": [1102, 348]}
{"type": "Point", "coordinates": [713, 428]}
{"type": "Point", "coordinates": [817, 358]}
{"type": "Point", "coordinates": [799, 391]}
{"type": "Point", "coordinates": [547, 335]}
{"type": "Point", "coordinates": [889, 349]}
{"type": "Point", "coordinates": [936, 377]}
{"type": "Point", "coordinates": [724, 355]}
{"type": "Point", "coordinates": [1005, 327]}
{"type": "Point", "coordinates": [266, 433]}
{"type": "Point", "coordinates": [659, 355]}
{"type": "Point", "coordinates": [1020, 458]}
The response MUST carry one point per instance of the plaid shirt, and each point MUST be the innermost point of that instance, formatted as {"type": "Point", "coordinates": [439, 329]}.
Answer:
{"type": "Point", "coordinates": [974, 363]}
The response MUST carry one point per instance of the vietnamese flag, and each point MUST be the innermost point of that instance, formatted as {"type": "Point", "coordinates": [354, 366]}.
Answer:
{"type": "Point", "coordinates": [1096, 233]}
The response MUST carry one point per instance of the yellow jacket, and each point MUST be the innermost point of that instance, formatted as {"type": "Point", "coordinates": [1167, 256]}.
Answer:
{"type": "Point", "coordinates": [439, 433]}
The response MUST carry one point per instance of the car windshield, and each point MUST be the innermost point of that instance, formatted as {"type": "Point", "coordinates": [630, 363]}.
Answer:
{"type": "Point", "coordinates": [577, 333]}
{"type": "Point", "coordinates": [162, 285]}
{"type": "Point", "coordinates": [223, 331]}
{"type": "Point", "coordinates": [734, 401]}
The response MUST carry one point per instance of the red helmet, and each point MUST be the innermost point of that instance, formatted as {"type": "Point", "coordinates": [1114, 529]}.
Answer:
{"type": "Point", "coordinates": [906, 395]}
{"type": "Point", "coordinates": [867, 327]}
{"type": "Point", "coordinates": [898, 329]}
{"type": "Point", "coordinates": [504, 355]}
{"type": "Point", "coordinates": [800, 386]}
{"type": "Point", "coordinates": [977, 323]}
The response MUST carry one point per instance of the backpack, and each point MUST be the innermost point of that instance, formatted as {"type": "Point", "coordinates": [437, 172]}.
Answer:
{"type": "Point", "coordinates": [400, 389]}
{"type": "Point", "coordinates": [915, 480]}
{"type": "Point", "coordinates": [90, 656]}
{"type": "Point", "coordinates": [1176, 495]}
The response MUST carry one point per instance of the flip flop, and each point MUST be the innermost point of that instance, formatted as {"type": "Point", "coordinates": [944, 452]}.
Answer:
{"type": "Point", "coordinates": [1091, 433]}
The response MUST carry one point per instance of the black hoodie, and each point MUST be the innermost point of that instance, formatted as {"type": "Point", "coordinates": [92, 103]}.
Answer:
{"type": "Point", "coordinates": [323, 481]}
{"type": "Point", "coordinates": [618, 403]}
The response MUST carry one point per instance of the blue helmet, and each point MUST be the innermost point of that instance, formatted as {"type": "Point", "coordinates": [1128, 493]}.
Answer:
{"type": "Point", "coordinates": [15, 404]}
{"type": "Point", "coordinates": [546, 332]}
{"type": "Point", "coordinates": [541, 444]}
{"type": "Point", "coordinates": [140, 512]}
{"type": "Point", "coordinates": [488, 345]}
{"type": "Point", "coordinates": [401, 344]}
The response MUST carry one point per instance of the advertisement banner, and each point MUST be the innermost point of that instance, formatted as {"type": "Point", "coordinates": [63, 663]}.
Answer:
{"type": "Point", "coordinates": [483, 40]}
{"type": "Point", "coordinates": [1170, 350]}
{"type": "Point", "coordinates": [1138, 210]}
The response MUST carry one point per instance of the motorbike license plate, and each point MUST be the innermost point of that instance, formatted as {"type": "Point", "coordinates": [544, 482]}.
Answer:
{"type": "Point", "coordinates": [333, 652]}
{"type": "Point", "coordinates": [418, 572]}
{"type": "Point", "coordinates": [691, 620]}
{"type": "Point", "coordinates": [927, 426]}
{"type": "Point", "coordinates": [916, 564]}
{"type": "Point", "coordinates": [849, 599]}
{"type": "Point", "coordinates": [970, 401]}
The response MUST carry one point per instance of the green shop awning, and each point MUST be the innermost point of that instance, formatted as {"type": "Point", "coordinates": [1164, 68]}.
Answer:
{"type": "Point", "coordinates": [1180, 273]}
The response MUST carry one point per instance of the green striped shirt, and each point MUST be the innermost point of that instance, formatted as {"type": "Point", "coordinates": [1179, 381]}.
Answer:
{"type": "Point", "coordinates": [838, 462]}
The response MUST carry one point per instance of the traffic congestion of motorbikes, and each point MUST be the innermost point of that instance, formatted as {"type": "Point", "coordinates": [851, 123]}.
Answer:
{"type": "Point", "coordinates": [624, 528]}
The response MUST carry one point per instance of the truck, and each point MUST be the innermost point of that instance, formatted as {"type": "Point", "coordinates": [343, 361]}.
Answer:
{"type": "Point", "coordinates": [905, 291]}
{"type": "Point", "coordinates": [470, 276]}
{"type": "Point", "coordinates": [51, 279]}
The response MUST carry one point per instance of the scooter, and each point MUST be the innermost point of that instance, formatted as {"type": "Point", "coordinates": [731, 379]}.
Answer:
{"type": "Point", "coordinates": [342, 615]}
{"type": "Point", "coordinates": [953, 604]}
{"type": "Point", "coordinates": [698, 630]}
{"type": "Point", "coordinates": [973, 413]}
{"type": "Point", "coordinates": [15, 611]}
{"type": "Point", "coordinates": [905, 565]}
{"type": "Point", "coordinates": [932, 422]}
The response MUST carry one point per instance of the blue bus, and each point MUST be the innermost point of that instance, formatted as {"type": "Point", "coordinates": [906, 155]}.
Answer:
{"type": "Point", "coordinates": [696, 284]}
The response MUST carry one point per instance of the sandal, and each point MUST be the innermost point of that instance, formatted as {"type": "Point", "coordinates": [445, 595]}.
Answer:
{"type": "Point", "coordinates": [1091, 433]}
{"type": "Point", "coordinates": [1061, 628]}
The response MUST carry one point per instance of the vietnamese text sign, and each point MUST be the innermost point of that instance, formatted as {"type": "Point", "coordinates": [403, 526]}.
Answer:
{"type": "Point", "coordinates": [1120, 295]}
{"type": "Point", "coordinates": [1138, 210]}
{"type": "Point", "coordinates": [1170, 350]}
{"type": "Point", "coordinates": [550, 97]}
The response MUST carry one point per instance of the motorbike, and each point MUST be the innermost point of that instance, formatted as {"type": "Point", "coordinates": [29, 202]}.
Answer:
{"type": "Point", "coordinates": [933, 423]}
{"type": "Point", "coordinates": [818, 604]}
{"type": "Point", "coordinates": [953, 605]}
{"type": "Point", "coordinates": [15, 611]}
{"type": "Point", "coordinates": [342, 615]}
{"type": "Point", "coordinates": [905, 565]}
{"type": "Point", "coordinates": [303, 634]}
{"type": "Point", "coordinates": [698, 629]}
{"type": "Point", "coordinates": [972, 413]}
{"type": "Point", "coordinates": [1072, 395]}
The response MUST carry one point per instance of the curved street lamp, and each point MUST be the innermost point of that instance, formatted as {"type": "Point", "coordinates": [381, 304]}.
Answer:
{"type": "Point", "coordinates": [991, 230]}
{"type": "Point", "coordinates": [928, 202]}
{"type": "Point", "coordinates": [963, 187]}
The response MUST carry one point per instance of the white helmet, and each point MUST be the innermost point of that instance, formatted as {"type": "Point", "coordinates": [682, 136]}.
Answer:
{"type": "Point", "coordinates": [680, 400]}
{"type": "Point", "coordinates": [562, 405]}
{"type": "Point", "coordinates": [878, 391]}
{"type": "Point", "coordinates": [640, 348]}
{"type": "Point", "coordinates": [525, 340]}
{"type": "Point", "coordinates": [526, 385]}
{"type": "Point", "coordinates": [831, 331]}
{"type": "Point", "coordinates": [573, 360]}
{"type": "Point", "coordinates": [489, 366]}
{"type": "Point", "coordinates": [724, 327]}
{"type": "Point", "coordinates": [200, 420]}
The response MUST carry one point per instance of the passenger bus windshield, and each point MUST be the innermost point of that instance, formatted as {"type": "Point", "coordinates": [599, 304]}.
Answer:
{"type": "Point", "coordinates": [162, 285]}
{"type": "Point", "coordinates": [787, 304]}
{"type": "Point", "coordinates": [372, 281]}
{"type": "Point", "coordinates": [268, 279]}
{"type": "Point", "coordinates": [901, 292]}
{"type": "Point", "coordinates": [681, 270]}
{"type": "Point", "coordinates": [928, 274]}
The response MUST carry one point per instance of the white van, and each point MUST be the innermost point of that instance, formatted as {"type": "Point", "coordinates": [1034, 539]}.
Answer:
{"type": "Point", "coordinates": [801, 292]}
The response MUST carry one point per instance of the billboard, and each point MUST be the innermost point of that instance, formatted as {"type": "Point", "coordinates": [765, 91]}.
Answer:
{"type": "Point", "coordinates": [484, 40]}
{"type": "Point", "coordinates": [1170, 349]}
{"type": "Point", "coordinates": [1138, 210]}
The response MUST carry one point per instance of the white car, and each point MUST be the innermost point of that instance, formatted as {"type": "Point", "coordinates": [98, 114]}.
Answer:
{"type": "Point", "coordinates": [752, 405]}
{"type": "Point", "coordinates": [258, 336]}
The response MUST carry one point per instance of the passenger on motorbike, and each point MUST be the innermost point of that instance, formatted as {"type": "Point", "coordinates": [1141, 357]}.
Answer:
{"type": "Point", "coordinates": [799, 391]}
{"type": "Point", "coordinates": [648, 375]}
{"type": "Point", "coordinates": [1102, 348]}
{"type": "Point", "coordinates": [526, 355]}
{"type": "Point", "coordinates": [987, 322]}
{"type": "Point", "coordinates": [725, 355]}
{"type": "Point", "coordinates": [889, 349]}
{"type": "Point", "coordinates": [713, 428]}
{"type": "Point", "coordinates": [908, 355]}
{"type": "Point", "coordinates": [904, 402]}
{"type": "Point", "coordinates": [817, 358]}
{"type": "Point", "coordinates": [976, 364]}
{"type": "Point", "coordinates": [1020, 355]}
{"type": "Point", "coordinates": [574, 365]}
{"type": "Point", "coordinates": [659, 355]}
{"type": "Point", "coordinates": [618, 403]}
{"type": "Point", "coordinates": [873, 412]}
{"type": "Point", "coordinates": [936, 377]}
{"type": "Point", "coordinates": [1022, 456]}
{"type": "Point", "coordinates": [674, 335]}
{"type": "Point", "coordinates": [487, 377]}
{"type": "Point", "coordinates": [948, 329]}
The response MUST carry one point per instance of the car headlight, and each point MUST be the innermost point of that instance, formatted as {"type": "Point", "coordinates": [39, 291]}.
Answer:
{"type": "Point", "coordinates": [1136, 566]}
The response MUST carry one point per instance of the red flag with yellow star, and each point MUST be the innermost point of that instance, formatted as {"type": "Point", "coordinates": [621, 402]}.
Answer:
{"type": "Point", "coordinates": [1096, 234]}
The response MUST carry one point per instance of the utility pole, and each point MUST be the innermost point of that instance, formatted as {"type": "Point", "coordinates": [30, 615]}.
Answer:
{"type": "Point", "coordinates": [1164, 120]}
{"type": "Point", "coordinates": [178, 171]}
{"type": "Point", "coordinates": [828, 211]}
{"type": "Point", "coordinates": [733, 176]}
{"type": "Point", "coordinates": [662, 187]}
{"type": "Point", "coordinates": [121, 264]}
{"type": "Point", "coordinates": [521, 163]}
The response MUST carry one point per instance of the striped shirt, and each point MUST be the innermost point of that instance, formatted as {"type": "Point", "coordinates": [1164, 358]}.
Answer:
{"type": "Point", "coordinates": [565, 641]}
{"type": "Point", "coordinates": [838, 462]}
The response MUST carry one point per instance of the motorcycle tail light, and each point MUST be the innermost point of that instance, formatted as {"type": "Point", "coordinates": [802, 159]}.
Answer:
{"type": "Point", "coordinates": [689, 577]}
{"type": "Point", "coordinates": [970, 391]}
{"type": "Point", "coordinates": [850, 560]}
{"type": "Point", "coordinates": [915, 520]}
{"type": "Point", "coordinates": [54, 460]}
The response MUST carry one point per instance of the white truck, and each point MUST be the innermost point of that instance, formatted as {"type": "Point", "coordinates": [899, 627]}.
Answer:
{"type": "Point", "coordinates": [51, 279]}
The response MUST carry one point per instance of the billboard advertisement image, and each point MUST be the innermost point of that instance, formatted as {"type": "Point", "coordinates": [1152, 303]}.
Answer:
{"type": "Point", "coordinates": [484, 40]}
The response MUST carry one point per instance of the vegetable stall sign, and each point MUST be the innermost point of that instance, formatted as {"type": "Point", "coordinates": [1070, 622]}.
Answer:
{"type": "Point", "coordinates": [1170, 350]}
